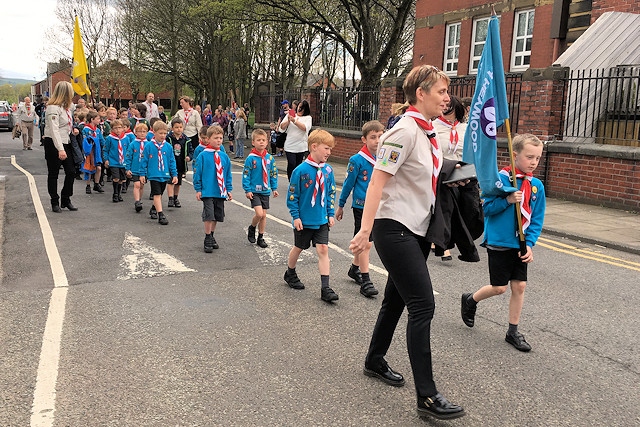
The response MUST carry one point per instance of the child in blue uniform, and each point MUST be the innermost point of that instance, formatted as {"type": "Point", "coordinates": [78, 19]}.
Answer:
{"type": "Point", "coordinates": [359, 172]}
{"type": "Point", "coordinates": [259, 179]}
{"type": "Point", "coordinates": [115, 148]}
{"type": "Point", "coordinates": [213, 184]}
{"type": "Point", "coordinates": [92, 144]}
{"type": "Point", "coordinates": [182, 151]}
{"type": "Point", "coordinates": [132, 160]}
{"type": "Point", "coordinates": [311, 202]}
{"type": "Point", "coordinates": [159, 167]}
{"type": "Point", "coordinates": [506, 263]}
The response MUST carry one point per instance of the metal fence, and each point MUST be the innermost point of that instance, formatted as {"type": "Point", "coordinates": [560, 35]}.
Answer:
{"type": "Point", "coordinates": [338, 108]}
{"type": "Point", "coordinates": [463, 87]}
{"type": "Point", "coordinates": [603, 106]}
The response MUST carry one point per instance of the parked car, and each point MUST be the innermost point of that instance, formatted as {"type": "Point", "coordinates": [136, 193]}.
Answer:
{"type": "Point", "coordinates": [6, 118]}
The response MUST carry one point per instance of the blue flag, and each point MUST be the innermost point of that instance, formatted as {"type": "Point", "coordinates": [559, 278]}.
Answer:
{"type": "Point", "coordinates": [489, 109]}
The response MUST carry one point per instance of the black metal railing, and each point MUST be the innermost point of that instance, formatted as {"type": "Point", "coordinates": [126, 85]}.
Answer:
{"type": "Point", "coordinates": [465, 86]}
{"type": "Point", "coordinates": [603, 106]}
{"type": "Point", "coordinates": [345, 108]}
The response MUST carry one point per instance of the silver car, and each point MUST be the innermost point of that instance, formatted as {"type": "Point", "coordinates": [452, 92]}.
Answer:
{"type": "Point", "coordinates": [6, 118]}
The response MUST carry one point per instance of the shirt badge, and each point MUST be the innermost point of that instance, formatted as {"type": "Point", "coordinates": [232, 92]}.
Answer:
{"type": "Point", "coordinates": [394, 156]}
{"type": "Point", "coordinates": [534, 189]}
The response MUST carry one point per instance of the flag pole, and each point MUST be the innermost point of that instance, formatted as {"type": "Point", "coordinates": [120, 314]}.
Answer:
{"type": "Point", "coordinates": [523, 243]}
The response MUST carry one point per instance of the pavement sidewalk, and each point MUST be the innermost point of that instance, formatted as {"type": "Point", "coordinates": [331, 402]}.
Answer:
{"type": "Point", "coordinates": [611, 228]}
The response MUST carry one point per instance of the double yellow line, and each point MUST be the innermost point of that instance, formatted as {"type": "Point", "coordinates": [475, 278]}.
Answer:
{"type": "Point", "coordinates": [587, 254]}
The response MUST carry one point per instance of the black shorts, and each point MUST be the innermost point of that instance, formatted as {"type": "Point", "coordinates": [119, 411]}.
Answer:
{"type": "Point", "coordinates": [179, 179]}
{"type": "Point", "coordinates": [505, 266]}
{"type": "Point", "coordinates": [118, 173]}
{"type": "Point", "coordinates": [260, 200]}
{"type": "Point", "coordinates": [135, 178]}
{"type": "Point", "coordinates": [304, 237]}
{"type": "Point", "coordinates": [157, 187]}
{"type": "Point", "coordinates": [357, 222]}
{"type": "Point", "coordinates": [213, 209]}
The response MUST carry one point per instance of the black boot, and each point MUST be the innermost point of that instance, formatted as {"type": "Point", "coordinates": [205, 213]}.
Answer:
{"type": "Point", "coordinates": [251, 234]}
{"type": "Point", "coordinates": [55, 207]}
{"type": "Point", "coordinates": [66, 203]}
{"type": "Point", "coordinates": [162, 219]}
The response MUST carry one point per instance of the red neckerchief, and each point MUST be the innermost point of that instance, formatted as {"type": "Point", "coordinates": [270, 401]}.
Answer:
{"type": "Point", "coordinates": [265, 172]}
{"type": "Point", "coordinates": [525, 187]}
{"type": "Point", "coordinates": [364, 152]}
{"type": "Point", "coordinates": [454, 138]}
{"type": "Point", "coordinates": [436, 155]}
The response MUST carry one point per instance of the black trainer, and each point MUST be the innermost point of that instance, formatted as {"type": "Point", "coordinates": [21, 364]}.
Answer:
{"type": "Point", "coordinates": [214, 244]}
{"type": "Point", "coordinates": [292, 280]}
{"type": "Point", "coordinates": [98, 188]}
{"type": "Point", "coordinates": [88, 189]}
{"type": "Point", "coordinates": [153, 213]}
{"type": "Point", "coordinates": [138, 205]}
{"type": "Point", "coordinates": [170, 204]}
{"type": "Point", "coordinates": [355, 274]}
{"type": "Point", "coordinates": [517, 340]}
{"type": "Point", "coordinates": [176, 203]}
{"type": "Point", "coordinates": [208, 243]}
{"type": "Point", "coordinates": [328, 295]}
{"type": "Point", "coordinates": [467, 311]}
{"type": "Point", "coordinates": [368, 290]}
{"type": "Point", "coordinates": [260, 242]}
{"type": "Point", "coordinates": [439, 407]}
{"type": "Point", "coordinates": [162, 220]}
{"type": "Point", "coordinates": [251, 234]}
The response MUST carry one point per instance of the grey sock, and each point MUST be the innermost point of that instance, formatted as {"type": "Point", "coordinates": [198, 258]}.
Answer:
{"type": "Point", "coordinates": [512, 329]}
{"type": "Point", "coordinates": [325, 280]}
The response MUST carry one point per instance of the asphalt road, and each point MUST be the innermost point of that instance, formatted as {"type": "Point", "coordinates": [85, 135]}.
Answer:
{"type": "Point", "coordinates": [158, 333]}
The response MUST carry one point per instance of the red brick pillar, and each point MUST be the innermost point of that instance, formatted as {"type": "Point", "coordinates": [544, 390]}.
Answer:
{"type": "Point", "coordinates": [390, 93]}
{"type": "Point", "coordinates": [312, 96]}
{"type": "Point", "coordinates": [542, 102]}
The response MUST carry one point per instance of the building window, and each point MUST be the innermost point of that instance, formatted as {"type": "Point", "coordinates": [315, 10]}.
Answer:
{"type": "Point", "coordinates": [522, 36]}
{"type": "Point", "coordinates": [478, 37]}
{"type": "Point", "coordinates": [451, 49]}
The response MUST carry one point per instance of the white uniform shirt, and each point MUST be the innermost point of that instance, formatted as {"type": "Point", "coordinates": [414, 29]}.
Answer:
{"type": "Point", "coordinates": [405, 152]}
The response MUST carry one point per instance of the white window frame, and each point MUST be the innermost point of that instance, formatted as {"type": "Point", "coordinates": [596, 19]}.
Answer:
{"type": "Point", "coordinates": [453, 62]}
{"type": "Point", "coordinates": [474, 43]}
{"type": "Point", "coordinates": [515, 55]}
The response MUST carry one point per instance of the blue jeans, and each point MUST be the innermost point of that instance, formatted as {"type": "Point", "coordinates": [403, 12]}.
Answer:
{"type": "Point", "coordinates": [404, 255]}
{"type": "Point", "coordinates": [239, 146]}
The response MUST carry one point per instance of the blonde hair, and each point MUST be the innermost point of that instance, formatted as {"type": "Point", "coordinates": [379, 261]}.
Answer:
{"type": "Point", "coordinates": [119, 123]}
{"type": "Point", "coordinates": [141, 126]}
{"type": "Point", "coordinates": [62, 95]}
{"type": "Point", "coordinates": [519, 141]}
{"type": "Point", "coordinates": [321, 136]}
{"type": "Point", "coordinates": [160, 125]}
{"type": "Point", "coordinates": [214, 130]}
{"type": "Point", "coordinates": [399, 109]}
{"type": "Point", "coordinates": [423, 76]}
{"type": "Point", "coordinates": [258, 132]}
{"type": "Point", "coordinates": [240, 114]}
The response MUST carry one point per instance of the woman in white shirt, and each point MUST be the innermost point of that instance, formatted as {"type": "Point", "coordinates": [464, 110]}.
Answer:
{"type": "Point", "coordinates": [297, 127]}
{"type": "Point", "coordinates": [192, 120]}
{"type": "Point", "coordinates": [57, 147]}
{"type": "Point", "coordinates": [400, 198]}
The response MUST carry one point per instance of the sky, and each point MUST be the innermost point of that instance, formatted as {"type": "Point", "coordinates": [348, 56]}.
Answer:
{"type": "Point", "coordinates": [23, 24]}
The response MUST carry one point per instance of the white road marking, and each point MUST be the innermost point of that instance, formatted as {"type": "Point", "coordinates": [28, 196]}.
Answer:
{"type": "Point", "coordinates": [147, 261]}
{"type": "Point", "coordinates": [44, 396]}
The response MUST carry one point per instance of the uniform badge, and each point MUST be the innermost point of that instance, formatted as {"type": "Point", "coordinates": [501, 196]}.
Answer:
{"type": "Point", "coordinates": [359, 202]}
{"type": "Point", "coordinates": [350, 168]}
{"type": "Point", "coordinates": [304, 176]}
{"type": "Point", "coordinates": [306, 185]}
{"type": "Point", "coordinates": [291, 197]}
{"type": "Point", "coordinates": [381, 152]}
{"type": "Point", "coordinates": [364, 173]}
{"type": "Point", "coordinates": [364, 178]}
{"type": "Point", "coordinates": [328, 169]}
{"type": "Point", "coordinates": [292, 189]}
{"type": "Point", "coordinates": [309, 183]}
{"type": "Point", "coordinates": [534, 189]}
{"type": "Point", "coordinates": [394, 156]}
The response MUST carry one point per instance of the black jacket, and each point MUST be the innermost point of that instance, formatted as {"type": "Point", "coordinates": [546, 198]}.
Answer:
{"type": "Point", "coordinates": [458, 218]}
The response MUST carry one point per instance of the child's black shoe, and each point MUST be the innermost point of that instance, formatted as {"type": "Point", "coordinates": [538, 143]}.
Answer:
{"type": "Point", "coordinates": [292, 280]}
{"type": "Point", "coordinates": [354, 273]}
{"type": "Point", "coordinates": [176, 202]}
{"type": "Point", "coordinates": [88, 189]}
{"type": "Point", "coordinates": [138, 205]}
{"type": "Point", "coordinates": [115, 198]}
{"type": "Point", "coordinates": [517, 340]}
{"type": "Point", "coordinates": [208, 243]}
{"type": "Point", "coordinates": [251, 234]}
{"type": "Point", "coordinates": [162, 220]}
{"type": "Point", "coordinates": [260, 242]}
{"type": "Point", "coordinates": [328, 295]}
{"type": "Point", "coordinates": [214, 244]}
{"type": "Point", "coordinates": [368, 290]}
{"type": "Point", "coordinates": [170, 204]}
{"type": "Point", "coordinates": [153, 213]}
{"type": "Point", "coordinates": [98, 188]}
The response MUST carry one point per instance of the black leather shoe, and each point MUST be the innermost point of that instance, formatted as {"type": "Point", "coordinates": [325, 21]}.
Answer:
{"type": "Point", "coordinates": [517, 340]}
{"type": "Point", "coordinates": [439, 407]}
{"type": "Point", "coordinates": [385, 374]}
{"type": "Point", "coordinates": [355, 274]}
{"type": "Point", "coordinates": [56, 208]}
{"type": "Point", "coordinates": [67, 204]}
{"type": "Point", "coordinates": [468, 312]}
{"type": "Point", "coordinates": [328, 295]}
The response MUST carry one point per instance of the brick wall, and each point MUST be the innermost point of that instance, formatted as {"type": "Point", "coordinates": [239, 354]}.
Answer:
{"type": "Point", "coordinates": [599, 7]}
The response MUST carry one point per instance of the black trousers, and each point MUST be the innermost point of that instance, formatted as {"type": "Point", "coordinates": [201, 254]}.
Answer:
{"type": "Point", "coordinates": [293, 160]}
{"type": "Point", "coordinates": [53, 168]}
{"type": "Point", "coordinates": [404, 255]}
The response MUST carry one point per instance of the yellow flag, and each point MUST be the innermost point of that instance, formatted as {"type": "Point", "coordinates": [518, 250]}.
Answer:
{"type": "Point", "coordinates": [80, 70]}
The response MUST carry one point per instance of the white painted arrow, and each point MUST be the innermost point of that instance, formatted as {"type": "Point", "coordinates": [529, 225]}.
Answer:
{"type": "Point", "coordinates": [147, 261]}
